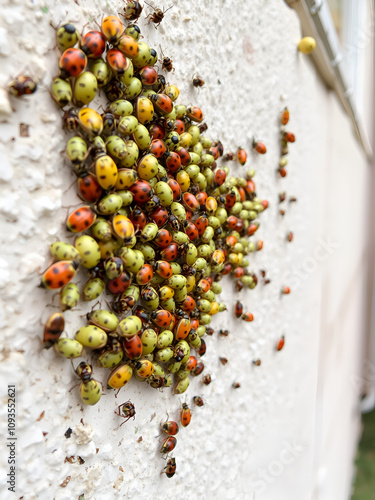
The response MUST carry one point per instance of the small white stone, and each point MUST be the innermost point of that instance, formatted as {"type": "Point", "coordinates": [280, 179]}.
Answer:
{"type": "Point", "coordinates": [26, 43]}
{"type": "Point", "coordinates": [13, 18]}
{"type": "Point", "coordinates": [30, 264]}
{"type": "Point", "coordinates": [87, 451]}
{"type": "Point", "coordinates": [4, 273]}
{"type": "Point", "coordinates": [39, 67]}
{"type": "Point", "coordinates": [8, 131]}
{"type": "Point", "coordinates": [34, 469]}
{"type": "Point", "coordinates": [56, 458]}
{"type": "Point", "coordinates": [3, 319]}
{"type": "Point", "coordinates": [5, 107]}
{"type": "Point", "coordinates": [6, 169]}
{"type": "Point", "coordinates": [4, 44]}
{"type": "Point", "coordinates": [8, 361]}
{"type": "Point", "coordinates": [47, 117]}
{"type": "Point", "coordinates": [106, 452]}
{"type": "Point", "coordinates": [83, 433]}
{"type": "Point", "coordinates": [47, 204]}
{"type": "Point", "coordinates": [33, 179]}
{"type": "Point", "coordinates": [71, 449]}
{"type": "Point", "coordinates": [27, 151]}
{"type": "Point", "coordinates": [10, 205]}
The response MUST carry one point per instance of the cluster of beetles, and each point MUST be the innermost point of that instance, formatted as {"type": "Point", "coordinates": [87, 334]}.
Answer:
{"type": "Point", "coordinates": [161, 219]}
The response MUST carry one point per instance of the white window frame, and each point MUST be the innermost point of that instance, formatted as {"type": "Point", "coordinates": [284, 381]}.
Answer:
{"type": "Point", "coordinates": [329, 56]}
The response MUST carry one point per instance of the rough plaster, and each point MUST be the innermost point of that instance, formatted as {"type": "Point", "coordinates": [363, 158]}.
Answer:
{"type": "Point", "coordinates": [260, 441]}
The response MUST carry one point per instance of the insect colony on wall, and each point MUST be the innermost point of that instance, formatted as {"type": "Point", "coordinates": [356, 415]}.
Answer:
{"type": "Point", "coordinates": [165, 219]}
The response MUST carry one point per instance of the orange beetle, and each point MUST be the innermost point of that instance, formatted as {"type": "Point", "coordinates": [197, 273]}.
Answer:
{"type": "Point", "coordinates": [182, 329]}
{"type": "Point", "coordinates": [280, 343]}
{"type": "Point", "coordinates": [112, 29]}
{"type": "Point", "coordinates": [128, 46]}
{"type": "Point", "coordinates": [117, 61]}
{"type": "Point", "coordinates": [241, 156]}
{"type": "Point", "coordinates": [285, 116]}
{"type": "Point", "coordinates": [59, 274]}
{"type": "Point", "coordinates": [194, 113]}
{"type": "Point", "coordinates": [238, 309]}
{"type": "Point", "coordinates": [259, 147]}
{"type": "Point", "coordinates": [289, 137]}
{"type": "Point", "coordinates": [247, 317]}
{"type": "Point", "coordinates": [80, 219]}
{"type": "Point", "coordinates": [185, 416]}
{"type": "Point", "coordinates": [168, 444]}
{"type": "Point", "coordinates": [72, 63]}
{"type": "Point", "coordinates": [53, 329]}
{"type": "Point", "coordinates": [162, 318]}
{"type": "Point", "coordinates": [170, 428]}
{"type": "Point", "coordinates": [162, 103]}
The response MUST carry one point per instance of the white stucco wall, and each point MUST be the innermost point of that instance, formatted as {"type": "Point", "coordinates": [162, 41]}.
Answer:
{"type": "Point", "coordinates": [290, 431]}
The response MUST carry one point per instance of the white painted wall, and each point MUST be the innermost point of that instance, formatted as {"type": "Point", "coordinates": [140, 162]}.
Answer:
{"type": "Point", "coordinates": [291, 430]}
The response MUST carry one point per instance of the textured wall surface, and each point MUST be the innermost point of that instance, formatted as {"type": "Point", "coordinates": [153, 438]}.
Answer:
{"type": "Point", "coordinates": [290, 431]}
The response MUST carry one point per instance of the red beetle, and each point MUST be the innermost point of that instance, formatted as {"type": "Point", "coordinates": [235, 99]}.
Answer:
{"type": "Point", "coordinates": [157, 148]}
{"type": "Point", "coordinates": [117, 61]}
{"type": "Point", "coordinates": [120, 284]}
{"type": "Point", "coordinates": [191, 363]}
{"type": "Point", "coordinates": [168, 444]}
{"type": "Point", "coordinates": [156, 131]}
{"type": "Point", "coordinates": [89, 188]}
{"type": "Point", "coordinates": [163, 268]}
{"type": "Point", "coordinates": [93, 44]}
{"type": "Point", "coordinates": [241, 156]}
{"type": "Point", "coordinates": [138, 218]}
{"type": "Point", "coordinates": [170, 428]}
{"type": "Point", "coordinates": [53, 328]}
{"type": "Point", "coordinates": [179, 126]}
{"type": "Point", "coordinates": [163, 238]}
{"type": "Point", "coordinates": [170, 468]}
{"type": "Point", "coordinates": [162, 318]}
{"type": "Point", "coordinates": [148, 75]}
{"type": "Point", "coordinates": [238, 309]}
{"type": "Point", "coordinates": [191, 230]}
{"type": "Point", "coordinates": [280, 343]}
{"type": "Point", "coordinates": [80, 219]}
{"type": "Point", "coordinates": [198, 369]}
{"type": "Point", "coordinates": [198, 401]}
{"type": "Point", "coordinates": [144, 275]}
{"type": "Point", "coordinates": [173, 161]}
{"type": "Point", "coordinates": [142, 191]}
{"type": "Point", "coordinates": [162, 103]}
{"type": "Point", "coordinates": [185, 416]}
{"type": "Point", "coordinates": [259, 147]}
{"type": "Point", "coordinates": [194, 113]}
{"type": "Point", "coordinates": [182, 329]}
{"type": "Point", "coordinates": [201, 224]}
{"type": "Point", "coordinates": [72, 63]}
{"type": "Point", "coordinates": [133, 347]}
{"type": "Point", "coordinates": [289, 137]}
{"type": "Point", "coordinates": [202, 349]}
{"type": "Point", "coordinates": [160, 216]}
{"type": "Point", "coordinates": [285, 116]}
{"type": "Point", "coordinates": [170, 253]}
{"type": "Point", "coordinates": [247, 317]}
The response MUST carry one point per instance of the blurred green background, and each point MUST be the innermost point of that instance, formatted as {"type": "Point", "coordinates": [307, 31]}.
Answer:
{"type": "Point", "coordinates": [364, 485]}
